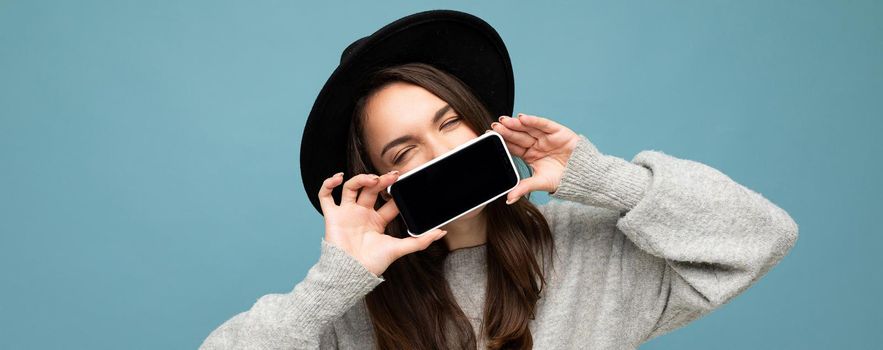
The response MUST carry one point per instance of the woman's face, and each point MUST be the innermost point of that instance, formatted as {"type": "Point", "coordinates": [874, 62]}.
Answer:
{"type": "Point", "coordinates": [406, 126]}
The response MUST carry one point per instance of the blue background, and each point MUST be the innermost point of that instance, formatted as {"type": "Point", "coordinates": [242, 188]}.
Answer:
{"type": "Point", "coordinates": [150, 187]}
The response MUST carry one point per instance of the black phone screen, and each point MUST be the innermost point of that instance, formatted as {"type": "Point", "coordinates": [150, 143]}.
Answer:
{"type": "Point", "coordinates": [455, 184]}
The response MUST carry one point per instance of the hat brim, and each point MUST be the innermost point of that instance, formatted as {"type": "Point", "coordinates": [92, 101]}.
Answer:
{"type": "Point", "coordinates": [456, 42]}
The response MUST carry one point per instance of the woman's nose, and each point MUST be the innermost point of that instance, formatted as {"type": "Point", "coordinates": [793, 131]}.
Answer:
{"type": "Point", "coordinates": [440, 147]}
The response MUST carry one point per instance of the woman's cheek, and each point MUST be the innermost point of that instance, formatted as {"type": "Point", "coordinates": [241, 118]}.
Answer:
{"type": "Point", "coordinates": [466, 133]}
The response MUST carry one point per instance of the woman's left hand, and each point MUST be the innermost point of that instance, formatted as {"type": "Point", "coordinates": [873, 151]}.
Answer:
{"type": "Point", "coordinates": [543, 144]}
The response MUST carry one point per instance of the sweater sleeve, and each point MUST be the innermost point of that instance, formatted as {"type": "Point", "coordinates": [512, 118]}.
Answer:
{"type": "Point", "coordinates": [695, 238]}
{"type": "Point", "coordinates": [302, 318]}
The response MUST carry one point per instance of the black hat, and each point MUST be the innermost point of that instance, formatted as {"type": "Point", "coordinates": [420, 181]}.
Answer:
{"type": "Point", "coordinates": [456, 42]}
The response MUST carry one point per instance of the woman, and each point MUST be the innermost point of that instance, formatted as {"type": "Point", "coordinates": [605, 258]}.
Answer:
{"type": "Point", "coordinates": [624, 252]}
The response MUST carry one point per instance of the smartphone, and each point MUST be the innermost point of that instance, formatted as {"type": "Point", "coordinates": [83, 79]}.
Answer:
{"type": "Point", "coordinates": [454, 183]}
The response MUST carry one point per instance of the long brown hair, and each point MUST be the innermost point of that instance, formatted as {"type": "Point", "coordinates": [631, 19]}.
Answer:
{"type": "Point", "coordinates": [414, 308]}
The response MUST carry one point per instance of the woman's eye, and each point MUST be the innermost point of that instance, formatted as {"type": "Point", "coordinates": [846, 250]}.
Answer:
{"type": "Point", "coordinates": [453, 121]}
{"type": "Point", "coordinates": [401, 155]}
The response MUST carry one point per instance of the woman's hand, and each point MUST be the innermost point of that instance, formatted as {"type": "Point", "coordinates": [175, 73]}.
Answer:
{"type": "Point", "coordinates": [543, 144]}
{"type": "Point", "coordinates": [357, 228]}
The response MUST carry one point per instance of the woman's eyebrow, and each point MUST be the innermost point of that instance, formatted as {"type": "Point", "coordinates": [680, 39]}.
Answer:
{"type": "Point", "coordinates": [402, 139]}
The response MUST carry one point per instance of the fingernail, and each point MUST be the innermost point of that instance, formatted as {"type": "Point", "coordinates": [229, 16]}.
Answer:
{"type": "Point", "coordinates": [520, 114]}
{"type": "Point", "coordinates": [494, 124]}
{"type": "Point", "coordinates": [508, 201]}
{"type": "Point", "coordinates": [338, 174]}
{"type": "Point", "coordinates": [394, 172]}
{"type": "Point", "coordinates": [501, 117]}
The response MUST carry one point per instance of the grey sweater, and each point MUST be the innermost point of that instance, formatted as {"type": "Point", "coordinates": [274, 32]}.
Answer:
{"type": "Point", "coordinates": [641, 248]}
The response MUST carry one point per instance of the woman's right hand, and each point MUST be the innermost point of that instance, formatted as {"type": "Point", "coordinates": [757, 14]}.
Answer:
{"type": "Point", "coordinates": [357, 228]}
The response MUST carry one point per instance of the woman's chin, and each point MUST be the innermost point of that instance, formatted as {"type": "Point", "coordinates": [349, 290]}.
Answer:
{"type": "Point", "coordinates": [472, 213]}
